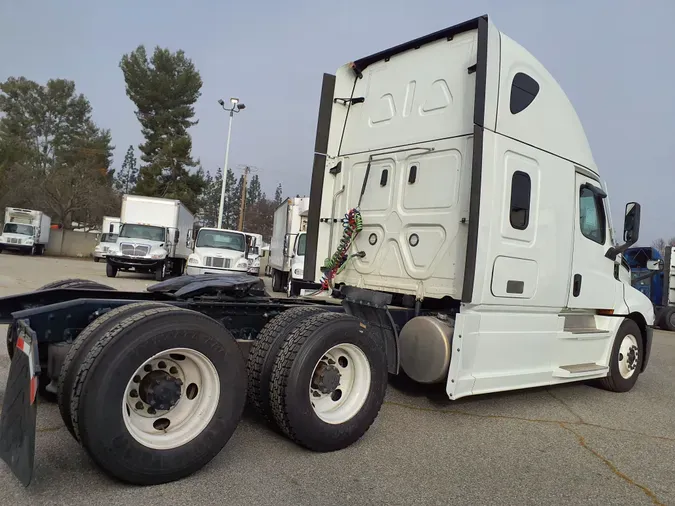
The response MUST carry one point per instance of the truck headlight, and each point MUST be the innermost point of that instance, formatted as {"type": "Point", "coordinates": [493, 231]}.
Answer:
{"type": "Point", "coordinates": [158, 254]}
{"type": "Point", "coordinates": [298, 272]}
{"type": "Point", "coordinates": [193, 261]}
{"type": "Point", "coordinates": [113, 252]}
{"type": "Point", "coordinates": [242, 264]}
{"type": "Point", "coordinates": [29, 241]}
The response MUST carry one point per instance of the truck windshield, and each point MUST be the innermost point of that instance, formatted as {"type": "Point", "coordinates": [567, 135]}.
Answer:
{"type": "Point", "coordinates": [221, 239]}
{"type": "Point", "coordinates": [108, 237]}
{"type": "Point", "coordinates": [18, 228]}
{"type": "Point", "coordinates": [147, 232]}
{"type": "Point", "coordinates": [302, 244]}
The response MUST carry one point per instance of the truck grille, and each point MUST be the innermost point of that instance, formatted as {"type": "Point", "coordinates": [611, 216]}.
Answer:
{"type": "Point", "coordinates": [134, 250]}
{"type": "Point", "coordinates": [223, 263]}
{"type": "Point", "coordinates": [14, 240]}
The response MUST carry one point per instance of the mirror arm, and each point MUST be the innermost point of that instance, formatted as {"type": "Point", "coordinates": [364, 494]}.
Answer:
{"type": "Point", "coordinates": [613, 251]}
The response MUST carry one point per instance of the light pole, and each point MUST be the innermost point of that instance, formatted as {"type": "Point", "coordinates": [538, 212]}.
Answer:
{"type": "Point", "coordinates": [236, 107]}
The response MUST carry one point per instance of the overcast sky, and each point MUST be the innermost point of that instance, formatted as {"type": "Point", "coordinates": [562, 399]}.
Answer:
{"type": "Point", "coordinates": [614, 58]}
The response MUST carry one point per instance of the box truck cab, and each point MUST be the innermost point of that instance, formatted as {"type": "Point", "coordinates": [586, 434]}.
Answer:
{"type": "Point", "coordinates": [25, 230]}
{"type": "Point", "coordinates": [482, 210]}
{"type": "Point", "coordinates": [297, 271]}
{"type": "Point", "coordinates": [152, 237]}
{"type": "Point", "coordinates": [290, 219]}
{"type": "Point", "coordinates": [110, 229]}
{"type": "Point", "coordinates": [218, 251]}
{"type": "Point", "coordinates": [254, 252]}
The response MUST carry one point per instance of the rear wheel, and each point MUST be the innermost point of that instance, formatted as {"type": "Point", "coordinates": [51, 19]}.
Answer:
{"type": "Point", "coordinates": [667, 319]}
{"type": "Point", "coordinates": [625, 360]}
{"type": "Point", "coordinates": [160, 272]}
{"type": "Point", "coordinates": [329, 382]}
{"type": "Point", "coordinates": [81, 348]}
{"type": "Point", "coordinates": [276, 281]}
{"type": "Point", "coordinates": [264, 352]}
{"type": "Point", "coordinates": [97, 259]}
{"type": "Point", "coordinates": [165, 386]}
{"type": "Point", "coordinates": [110, 271]}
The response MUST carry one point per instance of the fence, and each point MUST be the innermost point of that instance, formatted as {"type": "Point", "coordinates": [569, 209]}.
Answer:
{"type": "Point", "coordinates": [70, 243]}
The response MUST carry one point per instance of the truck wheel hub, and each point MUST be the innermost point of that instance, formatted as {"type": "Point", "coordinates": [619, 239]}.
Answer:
{"type": "Point", "coordinates": [160, 390]}
{"type": "Point", "coordinates": [326, 378]}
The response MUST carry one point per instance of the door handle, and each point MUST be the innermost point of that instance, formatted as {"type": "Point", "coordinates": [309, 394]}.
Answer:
{"type": "Point", "coordinates": [576, 286]}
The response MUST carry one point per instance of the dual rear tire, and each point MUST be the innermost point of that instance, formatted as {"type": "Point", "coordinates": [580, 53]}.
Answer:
{"type": "Point", "coordinates": [318, 377]}
{"type": "Point", "coordinates": [152, 392]}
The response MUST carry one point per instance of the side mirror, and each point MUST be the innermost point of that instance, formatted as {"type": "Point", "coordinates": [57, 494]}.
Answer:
{"type": "Point", "coordinates": [631, 230]}
{"type": "Point", "coordinates": [631, 223]}
{"type": "Point", "coordinates": [655, 265]}
{"type": "Point", "coordinates": [176, 236]}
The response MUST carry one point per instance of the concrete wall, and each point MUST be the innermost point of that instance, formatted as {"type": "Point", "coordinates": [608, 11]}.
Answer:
{"type": "Point", "coordinates": [69, 243]}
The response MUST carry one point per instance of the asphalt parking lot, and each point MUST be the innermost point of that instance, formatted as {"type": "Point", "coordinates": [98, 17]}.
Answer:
{"type": "Point", "coordinates": [566, 445]}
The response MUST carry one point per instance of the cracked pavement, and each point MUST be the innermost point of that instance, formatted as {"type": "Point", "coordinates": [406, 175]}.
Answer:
{"type": "Point", "coordinates": [572, 444]}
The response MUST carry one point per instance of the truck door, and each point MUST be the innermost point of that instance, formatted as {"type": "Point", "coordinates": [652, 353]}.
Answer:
{"type": "Point", "coordinates": [592, 282]}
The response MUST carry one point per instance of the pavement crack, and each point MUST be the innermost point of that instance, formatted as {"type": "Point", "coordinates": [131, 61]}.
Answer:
{"type": "Point", "coordinates": [612, 467]}
{"type": "Point", "coordinates": [566, 406]}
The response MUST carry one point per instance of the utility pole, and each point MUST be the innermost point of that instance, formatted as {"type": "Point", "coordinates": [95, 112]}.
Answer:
{"type": "Point", "coordinates": [242, 206]}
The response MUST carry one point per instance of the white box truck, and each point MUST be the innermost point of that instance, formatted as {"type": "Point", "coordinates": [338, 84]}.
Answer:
{"type": "Point", "coordinates": [218, 251]}
{"type": "Point", "coordinates": [25, 230]}
{"type": "Point", "coordinates": [110, 229]}
{"type": "Point", "coordinates": [153, 237]}
{"type": "Point", "coordinates": [290, 221]}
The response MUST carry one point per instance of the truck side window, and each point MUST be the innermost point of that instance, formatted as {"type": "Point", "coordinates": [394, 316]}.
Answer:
{"type": "Point", "coordinates": [592, 216]}
{"type": "Point", "coordinates": [521, 188]}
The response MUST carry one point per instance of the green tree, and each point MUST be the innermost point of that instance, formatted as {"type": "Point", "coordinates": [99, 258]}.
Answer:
{"type": "Point", "coordinates": [164, 89]}
{"type": "Point", "coordinates": [254, 192]}
{"type": "Point", "coordinates": [278, 195]}
{"type": "Point", "coordinates": [128, 176]}
{"type": "Point", "coordinates": [232, 199]}
{"type": "Point", "coordinates": [53, 156]}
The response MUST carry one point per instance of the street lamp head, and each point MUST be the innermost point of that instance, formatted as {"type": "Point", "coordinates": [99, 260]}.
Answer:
{"type": "Point", "coordinates": [241, 106]}
{"type": "Point", "coordinates": [234, 101]}
{"type": "Point", "coordinates": [221, 102]}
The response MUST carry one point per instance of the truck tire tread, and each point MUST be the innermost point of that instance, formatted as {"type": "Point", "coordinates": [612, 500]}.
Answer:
{"type": "Point", "coordinates": [146, 466]}
{"type": "Point", "coordinates": [77, 352]}
{"type": "Point", "coordinates": [263, 353]}
{"type": "Point", "coordinates": [342, 435]}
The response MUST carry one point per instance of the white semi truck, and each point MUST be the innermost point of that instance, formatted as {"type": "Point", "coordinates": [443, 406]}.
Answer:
{"type": "Point", "coordinates": [290, 220]}
{"type": "Point", "coordinates": [25, 230]}
{"type": "Point", "coordinates": [457, 216]}
{"type": "Point", "coordinates": [152, 238]}
{"type": "Point", "coordinates": [218, 251]}
{"type": "Point", "coordinates": [110, 229]}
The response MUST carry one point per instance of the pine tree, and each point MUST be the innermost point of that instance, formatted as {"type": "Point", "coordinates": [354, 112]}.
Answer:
{"type": "Point", "coordinates": [128, 176]}
{"type": "Point", "coordinates": [278, 195]}
{"type": "Point", "coordinates": [165, 89]}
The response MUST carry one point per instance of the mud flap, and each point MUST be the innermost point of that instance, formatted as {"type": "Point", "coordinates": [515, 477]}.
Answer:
{"type": "Point", "coordinates": [19, 408]}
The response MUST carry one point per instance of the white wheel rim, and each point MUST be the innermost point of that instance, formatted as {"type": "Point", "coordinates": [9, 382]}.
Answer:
{"type": "Point", "coordinates": [628, 356]}
{"type": "Point", "coordinates": [199, 396]}
{"type": "Point", "coordinates": [353, 387]}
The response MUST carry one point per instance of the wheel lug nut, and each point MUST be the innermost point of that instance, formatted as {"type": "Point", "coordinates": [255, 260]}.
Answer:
{"type": "Point", "coordinates": [133, 393]}
{"type": "Point", "coordinates": [173, 370]}
{"type": "Point", "coordinates": [139, 405]}
{"type": "Point", "coordinates": [137, 379]}
{"type": "Point", "coordinates": [147, 368]}
{"type": "Point", "coordinates": [162, 365]}
{"type": "Point", "coordinates": [151, 411]}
